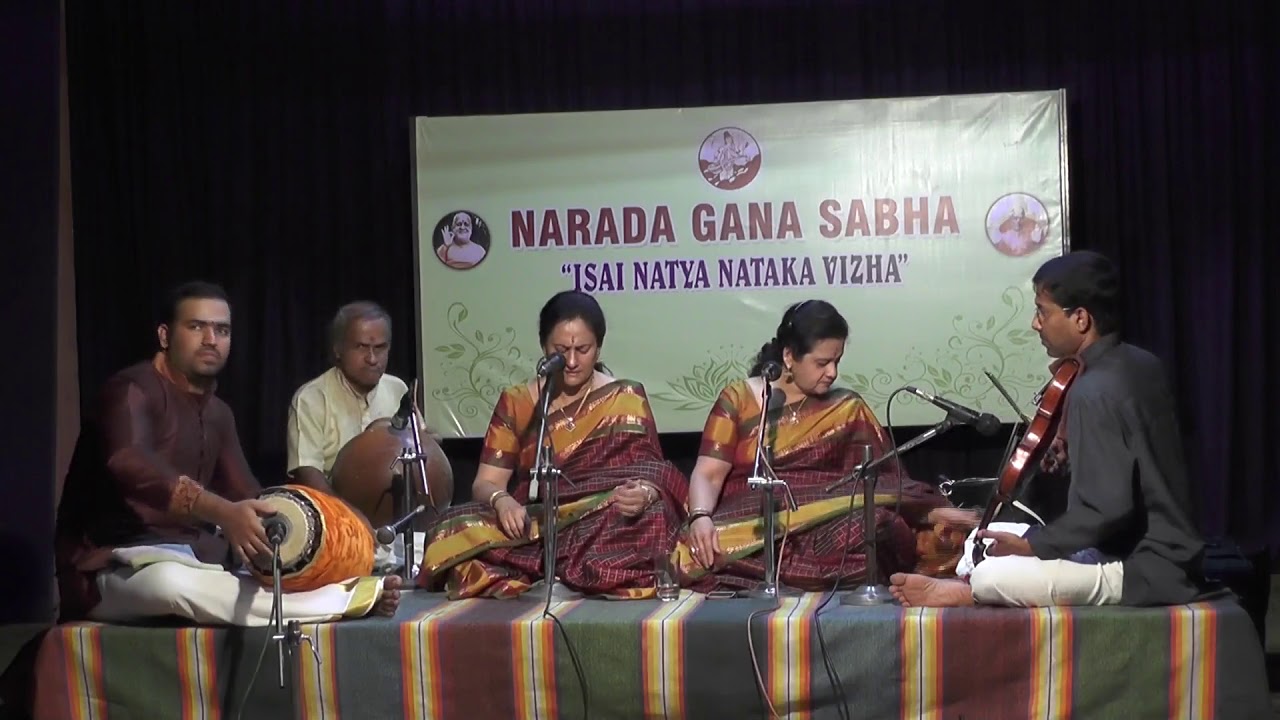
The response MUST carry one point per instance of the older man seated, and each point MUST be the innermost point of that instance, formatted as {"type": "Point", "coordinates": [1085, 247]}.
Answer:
{"type": "Point", "coordinates": [331, 410]}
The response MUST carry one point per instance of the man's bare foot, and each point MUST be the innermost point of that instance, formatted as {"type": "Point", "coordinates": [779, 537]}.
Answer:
{"type": "Point", "coordinates": [922, 591]}
{"type": "Point", "coordinates": [390, 600]}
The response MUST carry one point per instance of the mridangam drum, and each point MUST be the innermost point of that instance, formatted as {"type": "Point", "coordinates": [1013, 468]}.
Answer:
{"type": "Point", "coordinates": [325, 541]}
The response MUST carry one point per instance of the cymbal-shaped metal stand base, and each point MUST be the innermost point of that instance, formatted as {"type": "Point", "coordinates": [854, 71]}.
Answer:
{"type": "Point", "coordinates": [559, 592]}
{"type": "Point", "coordinates": [869, 595]}
{"type": "Point", "coordinates": [770, 593]}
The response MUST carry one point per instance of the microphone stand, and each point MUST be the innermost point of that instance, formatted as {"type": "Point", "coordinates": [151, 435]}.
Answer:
{"type": "Point", "coordinates": [763, 478]}
{"type": "Point", "coordinates": [873, 593]}
{"type": "Point", "coordinates": [911, 444]}
{"type": "Point", "coordinates": [545, 476]}
{"type": "Point", "coordinates": [407, 459]}
{"type": "Point", "coordinates": [386, 534]}
{"type": "Point", "coordinates": [294, 637]}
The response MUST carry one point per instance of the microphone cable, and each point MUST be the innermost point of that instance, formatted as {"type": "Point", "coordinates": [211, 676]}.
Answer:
{"type": "Point", "coordinates": [751, 644]}
{"type": "Point", "coordinates": [767, 464]}
{"type": "Point", "coordinates": [897, 460]}
{"type": "Point", "coordinates": [832, 675]}
{"type": "Point", "coordinates": [550, 579]}
{"type": "Point", "coordinates": [266, 642]}
{"type": "Point", "coordinates": [257, 668]}
{"type": "Point", "coordinates": [549, 575]}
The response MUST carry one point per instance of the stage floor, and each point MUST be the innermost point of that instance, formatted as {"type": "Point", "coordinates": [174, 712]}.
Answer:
{"type": "Point", "coordinates": [685, 659]}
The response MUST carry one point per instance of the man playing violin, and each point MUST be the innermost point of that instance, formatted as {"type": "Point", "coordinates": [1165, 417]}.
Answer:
{"type": "Point", "coordinates": [1129, 496]}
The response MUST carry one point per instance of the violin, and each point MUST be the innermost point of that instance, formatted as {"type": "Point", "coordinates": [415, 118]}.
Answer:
{"type": "Point", "coordinates": [1031, 449]}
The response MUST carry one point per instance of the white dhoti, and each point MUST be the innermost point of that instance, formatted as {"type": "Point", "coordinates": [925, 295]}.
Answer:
{"type": "Point", "coordinates": [1018, 581]}
{"type": "Point", "coordinates": [164, 581]}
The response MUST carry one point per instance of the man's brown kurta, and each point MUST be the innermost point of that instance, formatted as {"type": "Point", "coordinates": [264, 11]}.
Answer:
{"type": "Point", "coordinates": [142, 458]}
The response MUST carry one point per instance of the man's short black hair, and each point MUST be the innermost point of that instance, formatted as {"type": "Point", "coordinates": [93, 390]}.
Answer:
{"type": "Point", "coordinates": [193, 290]}
{"type": "Point", "coordinates": [1084, 279]}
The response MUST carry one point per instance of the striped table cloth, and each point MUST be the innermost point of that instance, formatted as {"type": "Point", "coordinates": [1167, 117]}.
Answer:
{"type": "Point", "coordinates": [685, 659]}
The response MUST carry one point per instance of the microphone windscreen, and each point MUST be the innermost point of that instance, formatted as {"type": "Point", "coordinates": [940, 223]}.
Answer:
{"type": "Point", "coordinates": [553, 363]}
{"type": "Point", "coordinates": [771, 371]}
{"type": "Point", "coordinates": [276, 528]}
{"type": "Point", "coordinates": [987, 424]}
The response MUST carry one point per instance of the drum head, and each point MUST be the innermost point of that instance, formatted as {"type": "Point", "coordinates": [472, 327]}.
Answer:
{"type": "Point", "coordinates": [302, 530]}
{"type": "Point", "coordinates": [365, 474]}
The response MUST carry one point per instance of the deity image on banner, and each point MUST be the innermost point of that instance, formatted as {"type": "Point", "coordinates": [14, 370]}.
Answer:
{"type": "Point", "coordinates": [729, 158]}
{"type": "Point", "coordinates": [1017, 224]}
{"type": "Point", "coordinates": [461, 240]}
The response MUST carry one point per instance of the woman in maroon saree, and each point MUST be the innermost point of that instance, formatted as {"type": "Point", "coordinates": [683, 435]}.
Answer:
{"type": "Point", "coordinates": [820, 432]}
{"type": "Point", "coordinates": [621, 503]}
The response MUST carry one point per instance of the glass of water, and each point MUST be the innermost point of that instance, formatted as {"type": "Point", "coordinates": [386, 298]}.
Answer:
{"type": "Point", "coordinates": [664, 578]}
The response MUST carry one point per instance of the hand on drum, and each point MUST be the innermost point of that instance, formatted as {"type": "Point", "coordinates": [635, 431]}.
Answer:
{"type": "Point", "coordinates": [704, 541]}
{"type": "Point", "coordinates": [954, 518]}
{"type": "Point", "coordinates": [512, 516]}
{"type": "Point", "coordinates": [242, 527]}
{"type": "Point", "coordinates": [632, 498]}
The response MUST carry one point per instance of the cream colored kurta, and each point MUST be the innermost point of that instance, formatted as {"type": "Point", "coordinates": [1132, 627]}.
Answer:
{"type": "Point", "coordinates": [326, 413]}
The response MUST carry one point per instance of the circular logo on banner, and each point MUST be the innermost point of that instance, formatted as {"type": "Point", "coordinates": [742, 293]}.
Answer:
{"type": "Point", "coordinates": [1017, 224]}
{"type": "Point", "coordinates": [729, 158]}
{"type": "Point", "coordinates": [461, 239]}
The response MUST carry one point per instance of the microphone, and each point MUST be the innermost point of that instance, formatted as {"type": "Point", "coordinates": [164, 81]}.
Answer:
{"type": "Point", "coordinates": [550, 364]}
{"type": "Point", "coordinates": [985, 423]}
{"type": "Point", "coordinates": [400, 420]}
{"type": "Point", "coordinates": [387, 533]}
{"type": "Point", "coordinates": [770, 371]}
{"type": "Point", "coordinates": [277, 529]}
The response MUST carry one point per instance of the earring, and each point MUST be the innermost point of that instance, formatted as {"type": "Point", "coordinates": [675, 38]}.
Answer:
{"type": "Point", "coordinates": [789, 376]}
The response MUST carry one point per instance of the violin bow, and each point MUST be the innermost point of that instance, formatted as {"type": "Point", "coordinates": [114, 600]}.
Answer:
{"type": "Point", "coordinates": [1007, 398]}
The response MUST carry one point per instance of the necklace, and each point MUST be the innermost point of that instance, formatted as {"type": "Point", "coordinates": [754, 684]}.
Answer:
{"type": "Point", "coordinates": [795, 412]}
{"type": "Point", "coordinates": [793, 417]}
{"type": "Point", "coordinates": [570, 424]}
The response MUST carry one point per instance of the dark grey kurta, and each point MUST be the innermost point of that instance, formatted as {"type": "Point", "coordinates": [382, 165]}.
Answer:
{"type": "Point", "coordinates": [1130, 495]}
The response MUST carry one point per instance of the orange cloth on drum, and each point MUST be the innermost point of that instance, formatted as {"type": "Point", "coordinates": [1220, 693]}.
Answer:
{"type": "Point", "coordinates": [346, 546]}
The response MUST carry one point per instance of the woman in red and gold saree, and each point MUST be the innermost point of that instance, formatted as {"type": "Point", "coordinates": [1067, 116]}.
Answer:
{"type": "Point", "coordinates": [816, 436]}
{"type": "Point", "coordinates": [621, 503]}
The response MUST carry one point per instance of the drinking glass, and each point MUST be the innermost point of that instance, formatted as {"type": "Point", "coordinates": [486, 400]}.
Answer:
{"type": "Point", "coordinates": [664, 578]}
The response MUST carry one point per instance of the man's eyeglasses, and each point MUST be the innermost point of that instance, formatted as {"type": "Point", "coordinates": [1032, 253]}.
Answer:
{"type": "Point", "coordinates": [1041, 314]}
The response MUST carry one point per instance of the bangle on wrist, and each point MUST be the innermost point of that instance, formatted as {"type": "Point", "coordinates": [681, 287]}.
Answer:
{"type": "Point", "coordinates": [698, 513]}
{"type": "Point", "coordinates": [497, 495]}
{"type": "Point", "coordinates": [650, 493]}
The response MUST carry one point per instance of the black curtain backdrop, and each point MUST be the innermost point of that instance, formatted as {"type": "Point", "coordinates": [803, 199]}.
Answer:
{"type": "Point", "coordinates": [266, 145]}
{"type": "Point", "coordinates": [29, 54]}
